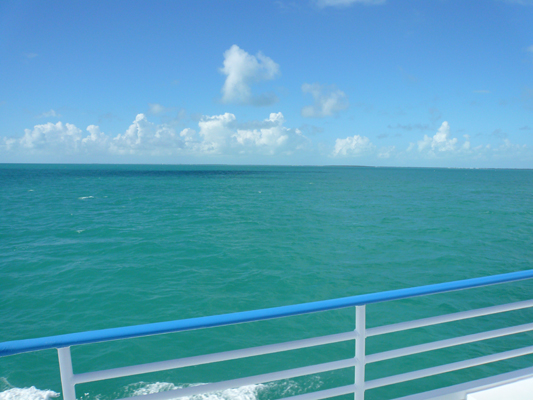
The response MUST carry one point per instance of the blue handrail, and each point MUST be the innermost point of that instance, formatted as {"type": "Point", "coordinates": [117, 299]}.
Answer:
{"type": "Point", "coordinates": [104, 335]}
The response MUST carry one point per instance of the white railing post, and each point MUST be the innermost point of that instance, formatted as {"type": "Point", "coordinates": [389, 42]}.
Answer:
{"type": "Point", "coordinates": [360, 326]}
{"type": "Point", "coordinates": [67, 374]}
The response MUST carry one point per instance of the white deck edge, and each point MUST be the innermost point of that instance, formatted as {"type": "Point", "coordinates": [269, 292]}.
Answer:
{"type": "Point", "coordinates": [459, 392]}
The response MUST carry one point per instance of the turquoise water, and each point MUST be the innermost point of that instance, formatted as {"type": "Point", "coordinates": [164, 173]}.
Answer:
{"type": "Point", "coordinates": [86, 247]}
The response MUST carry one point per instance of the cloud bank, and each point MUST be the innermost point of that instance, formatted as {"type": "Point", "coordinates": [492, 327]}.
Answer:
{"type": "Point", "coordinates": [223, 137]}
{"type": "Point", "coordinates": [216, 135]}
{"type": "Point", "coordinates": [440, 147]}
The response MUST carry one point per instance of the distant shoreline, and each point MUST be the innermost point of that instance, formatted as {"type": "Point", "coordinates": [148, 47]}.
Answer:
{"type": "Point", "coordinates": [273, 165]}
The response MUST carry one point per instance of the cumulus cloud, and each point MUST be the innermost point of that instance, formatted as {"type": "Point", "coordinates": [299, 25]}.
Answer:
{"type": "Point", "coordinates": [328, 100]}
{"type": "Point", "coordinates": [96, 138]}
{"type": "Point", "coordinates": [144, 136]}
{"type": "Point", "coordinates": [65, 137]}
{"type": "Point", "coordinates": [346, 3]}
{"type": "Point", "coordinates": [222, 134]}
{"type": "Point", "coordinates": [273, 138]}
{"type": "Point", "coordinates": [242, 70]}
{"type": "Point", "coordinates": [440, 142]}
{"type": "Point", "coordinates": [443, 145]}
{"type": "Point", "coordinates": [353, 146]}
{"type": "Point", "coordinates": [217, 134]}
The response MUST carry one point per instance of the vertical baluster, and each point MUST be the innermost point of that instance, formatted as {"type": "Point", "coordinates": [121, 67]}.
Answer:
{"type": "Point", "coordinates": [360, 326]}
{"type": "Point", "coordinates": [67, 374]}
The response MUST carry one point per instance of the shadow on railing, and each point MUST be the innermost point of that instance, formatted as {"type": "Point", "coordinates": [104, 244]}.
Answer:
{"type": "Point", "coordinates": [69, 379]}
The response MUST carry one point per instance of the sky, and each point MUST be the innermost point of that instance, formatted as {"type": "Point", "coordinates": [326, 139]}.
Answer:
{"type": "Point", "coordinates": [412, 83]}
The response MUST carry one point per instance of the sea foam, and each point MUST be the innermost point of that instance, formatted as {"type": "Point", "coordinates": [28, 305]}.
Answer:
{"type": "Point", "coordinates": [242, 393]}
{"type": "Point", "coordinates": [31, 393]}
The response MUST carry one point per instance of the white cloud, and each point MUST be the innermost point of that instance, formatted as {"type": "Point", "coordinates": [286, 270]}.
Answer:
{"type": "Point", "coordinates": [222, 134]}
{"type": "Point", "coordinates": [243, 70]}
{"type": "Point", "coordinates": [347, 3]}
{"type": "Point", "coordinates": [443, 146]}
{"type": "Point", "coordinates": [224, 137]}
{"type": "Point", "coordinates": [143, 136]}
{"type": "Point", "coordinates": [216, 135]}
{"type": "Point", "coordinates": [328, 100]}
{"type": "Point", "coordinates": [353, 146]}
{"type": "Point", "coordinates": [216, 132]}
{"type": "Point", "coordinates": [440, 142]}
{"type": "Point", "coordinates": [271, 139]}
{"type": "Point", "coordinates": [65, 137]}
{"type": "Point", "coordinates": [188, 134]}
{"type": "Point", "coordinates": [96, 140]}
{"type": "Point", "coordinates": [48, 114]}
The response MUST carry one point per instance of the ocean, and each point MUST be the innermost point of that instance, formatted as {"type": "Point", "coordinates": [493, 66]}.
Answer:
{"type": "Point", "coordinates": [86, 247]}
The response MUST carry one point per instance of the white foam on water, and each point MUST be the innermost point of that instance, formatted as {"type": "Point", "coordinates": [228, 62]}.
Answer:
{"type": "Point", "coordinates": [86, 197]}
{"type": "Point", "coordinates": [249, 392]}
{"type": "Point", "coordinates": [80, 230]}
{"type": "Point", "coordinates": [243, 393]}
{"type": "Point", "coordinates": [31, 393]}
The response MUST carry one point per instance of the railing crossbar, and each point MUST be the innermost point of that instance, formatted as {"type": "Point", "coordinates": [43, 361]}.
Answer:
{"type": "Point", "coordinates": [441, 344]}
{"type": "Point", "coordinates": [441, 369]}
{"type": "Point", "coordinates": [250, 380]}
{"type": "Point", "coordinates": [440, 319]}
{"type": "Point", "coordinates": [212, 358]}
{"type": "Point", "coordinates": [324, 394]}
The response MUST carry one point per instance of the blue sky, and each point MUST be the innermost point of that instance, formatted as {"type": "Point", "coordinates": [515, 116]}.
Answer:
{"type": "Point", "coordinates": [387, 83]}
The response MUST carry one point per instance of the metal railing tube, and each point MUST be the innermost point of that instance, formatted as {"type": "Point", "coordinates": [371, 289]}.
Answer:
{"type": "Point", "coordinates": [324, 394]}
{"type": "Point", "coordinates": [360, 325]}
{"type": "Point", "coordinates": [441, 319]}
{"type": "Point", "coordinates": [104, 335]}
{"type": "Point", "coordinates": [441, 344]}
{"type": "Point", "coordinates": [211, 358]}
{"type": "Point", "coordinates": [67, 374]}
{"type": "Point", "coordinates": [441, 369]}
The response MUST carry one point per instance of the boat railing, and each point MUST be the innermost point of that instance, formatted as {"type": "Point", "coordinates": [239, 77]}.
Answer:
{"type": "Point", "coordinates": [69, 379]}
